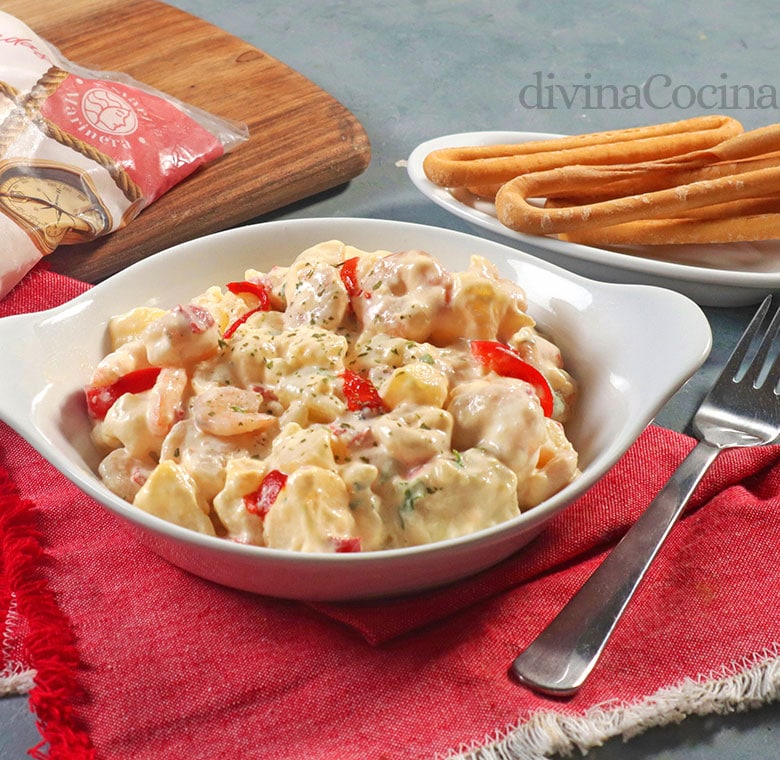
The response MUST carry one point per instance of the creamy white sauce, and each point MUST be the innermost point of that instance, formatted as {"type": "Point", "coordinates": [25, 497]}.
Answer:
{"type": "Point", "coordinates": [453, 449]}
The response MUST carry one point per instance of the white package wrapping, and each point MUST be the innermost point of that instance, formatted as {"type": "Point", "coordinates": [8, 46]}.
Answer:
{"type": "Point", "coordinates": [83, 152]}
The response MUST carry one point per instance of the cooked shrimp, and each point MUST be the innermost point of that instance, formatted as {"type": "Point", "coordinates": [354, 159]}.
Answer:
{"type": "Point", "coordinates": [512, 436]}
{"type": "Point", "coordinates": [183, 336]}
{"type": "Point", "coordinates": [225, 410]}
{"type": "Point", "coordinates": [402, 293]}
{"type": "Point", "coordinates": [315, 296]}
{"type": "Point", "coordinates": [128, 357]}
{"type": "Point", "coordinates": [124, 474]}
{"type": "Point", "coordinates": [165, 400]}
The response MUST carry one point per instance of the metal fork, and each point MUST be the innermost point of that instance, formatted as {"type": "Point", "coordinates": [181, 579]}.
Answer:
{"type": "Point", "coordinates": [741, 409]}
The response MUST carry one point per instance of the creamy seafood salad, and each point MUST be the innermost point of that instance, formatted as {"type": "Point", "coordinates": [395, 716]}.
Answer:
{"type": "Point", "coordinates": [352, 401]}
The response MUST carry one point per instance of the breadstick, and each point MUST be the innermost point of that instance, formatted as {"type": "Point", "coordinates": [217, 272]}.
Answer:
{"type": "Point", "coordinates": [493, 164]}
{"type": "Point", "coordinates": [743, 206]}
{"type": "Point", "coordinates": [516, 212]}
{"type": "Point", "coordinates": [759, 146]}
{"type": "Point", "coordinates": [488, 192]}
{"type": "Point", "coordinates": [589, 184]}
{"type": "Point", "coordinates": [734, 229]}
{"type": "Point", "coordinates": [755, 142]}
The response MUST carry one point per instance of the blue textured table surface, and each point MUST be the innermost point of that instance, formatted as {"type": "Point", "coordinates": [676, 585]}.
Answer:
{"type": "Point", "coordinates": [417, 69]}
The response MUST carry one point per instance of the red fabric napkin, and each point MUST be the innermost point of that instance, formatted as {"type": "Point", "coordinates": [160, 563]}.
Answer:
{"type": "Point", "coordinates": [136, 658]}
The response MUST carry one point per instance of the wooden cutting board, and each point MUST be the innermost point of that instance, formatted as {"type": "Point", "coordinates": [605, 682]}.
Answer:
{"type": "Point", "coordinates": [302, 141]}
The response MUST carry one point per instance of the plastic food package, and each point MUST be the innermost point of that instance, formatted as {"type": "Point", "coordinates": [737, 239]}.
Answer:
{"type": "Point", "coordinates": [83, 152]}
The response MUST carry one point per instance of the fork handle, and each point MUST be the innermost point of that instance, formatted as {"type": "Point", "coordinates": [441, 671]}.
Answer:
{"type": "Point", "coordinates": [560, 659]}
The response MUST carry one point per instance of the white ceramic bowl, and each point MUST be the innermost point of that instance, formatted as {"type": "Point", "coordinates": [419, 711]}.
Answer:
{"type": "Point", "coordinates": [629, 346]}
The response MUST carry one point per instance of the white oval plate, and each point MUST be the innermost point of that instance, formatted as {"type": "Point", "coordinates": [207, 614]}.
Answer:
{"type": "Point", "coordinates": [712, 275]}
{"type": "Point", "coordinates": [630, 348]}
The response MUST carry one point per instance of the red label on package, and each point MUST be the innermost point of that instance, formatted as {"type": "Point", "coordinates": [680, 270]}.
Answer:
{"type": "Point", "coordinates": [150, 138]}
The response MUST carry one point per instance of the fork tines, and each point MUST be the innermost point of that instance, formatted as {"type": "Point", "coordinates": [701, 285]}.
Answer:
{"type": "Point", "coordinates": [765, 363]}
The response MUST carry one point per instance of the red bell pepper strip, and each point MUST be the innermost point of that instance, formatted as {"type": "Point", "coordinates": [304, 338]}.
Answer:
{"type": "Point", "coordinates": [360, 393]}
{"type": "Point", "coordinates": [506, 362]}
{"type": "Point", "coordinates": [347, 544]}
{"type": "Point", "coordinates": [348, 274]}
{"type": "Point", "coordinates": [255, 289]}
{"type": "Point", "coordinates": [260, 501]}
{"type": "Point", "coordinates": [100, 398]}
{"type": "Point", "coordinates": [240, 321]}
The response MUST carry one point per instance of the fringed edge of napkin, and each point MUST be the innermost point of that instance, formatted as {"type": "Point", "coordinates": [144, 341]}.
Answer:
{"type": "Point", "coordinates": [49, 643]}
{"type": "Point", "coordinates": [736, 687]}
{"type": "Point", "coordinates": [15, 677]}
